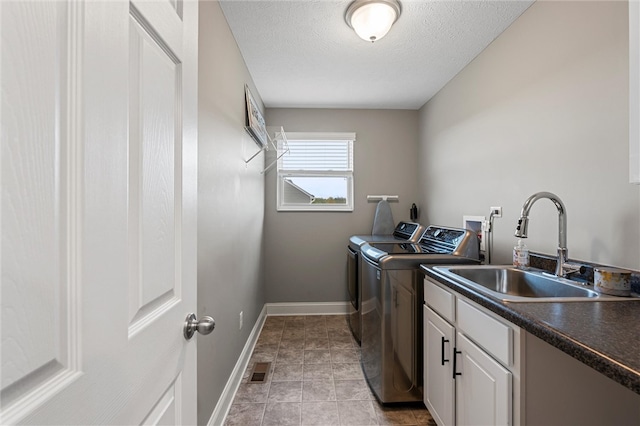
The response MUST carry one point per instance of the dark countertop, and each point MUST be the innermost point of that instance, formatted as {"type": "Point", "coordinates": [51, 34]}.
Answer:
{"type": "Point", "coordinates": [602, 335]}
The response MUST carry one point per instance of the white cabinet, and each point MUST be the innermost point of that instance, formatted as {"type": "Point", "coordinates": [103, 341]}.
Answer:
{"type": "Point", "coordinates": [439, 387]}
{"type": "Point", "coordinates": [483, 386]}
{"type": "Point", "coordinates": [471, 365]}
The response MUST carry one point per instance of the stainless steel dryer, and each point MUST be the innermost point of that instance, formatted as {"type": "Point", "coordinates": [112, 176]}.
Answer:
{"type": "Point", "coordinates": [392, 297]}
{"type": "Point", "coordinates": [404, 232]}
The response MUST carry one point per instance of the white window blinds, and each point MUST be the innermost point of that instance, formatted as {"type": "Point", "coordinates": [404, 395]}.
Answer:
{"type": "Point", "coordinates": [318, 156]}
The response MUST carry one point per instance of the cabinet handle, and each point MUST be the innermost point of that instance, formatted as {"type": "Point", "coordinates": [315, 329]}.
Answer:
{"type": "Point", "coordinates": [455, 353]}
{"type": "Point", "coordinates": [443, 341]}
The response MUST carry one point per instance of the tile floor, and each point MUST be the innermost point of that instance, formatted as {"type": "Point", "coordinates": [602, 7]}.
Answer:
{"type": "Point", "coordinates": [315, 379]}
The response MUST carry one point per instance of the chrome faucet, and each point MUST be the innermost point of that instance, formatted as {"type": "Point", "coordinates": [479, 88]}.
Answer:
{"type": "Point", "coordinates": [563, 267]}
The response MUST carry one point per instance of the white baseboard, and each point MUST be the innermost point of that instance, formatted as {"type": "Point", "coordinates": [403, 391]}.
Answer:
{"type": "Point", "coordinates": [226, 399]}
{"type": "Point", "coordinates": [308, 308]}
{"type": "Point", "coordinates": [304, 308]}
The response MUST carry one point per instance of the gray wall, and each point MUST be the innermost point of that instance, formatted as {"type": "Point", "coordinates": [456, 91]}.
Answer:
{"type": "Point", "coordinates": [543, 108]}
{"type": "Point", "coordinates": [230, 210]}
{"type": "Point", "coordinates": [305, 252]}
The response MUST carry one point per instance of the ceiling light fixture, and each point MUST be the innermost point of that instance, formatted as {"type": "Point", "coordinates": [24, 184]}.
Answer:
{"type": "Point", "coordinates": [372, 19]}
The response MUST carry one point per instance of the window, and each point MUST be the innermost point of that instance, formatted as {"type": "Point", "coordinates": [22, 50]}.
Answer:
{"type": "Point", "coordinates": [317, 172]}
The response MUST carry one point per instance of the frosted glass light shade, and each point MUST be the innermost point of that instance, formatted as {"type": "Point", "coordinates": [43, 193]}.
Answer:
{"type": "Point", "coordinates": [372, 19]}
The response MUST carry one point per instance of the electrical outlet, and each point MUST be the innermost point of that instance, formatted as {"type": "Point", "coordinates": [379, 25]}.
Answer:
{"type": "Point", "coordinates": [497, 211]}
{"type": "Point", "coordinates": [240, 320]}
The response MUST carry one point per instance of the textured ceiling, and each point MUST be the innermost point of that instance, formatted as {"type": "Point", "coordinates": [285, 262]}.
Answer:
{"type": "Point", "coordinates": [302, 54]}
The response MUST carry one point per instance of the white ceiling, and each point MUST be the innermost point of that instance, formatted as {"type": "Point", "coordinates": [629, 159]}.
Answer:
{"type": "Point", "coordinates": [302, 54]}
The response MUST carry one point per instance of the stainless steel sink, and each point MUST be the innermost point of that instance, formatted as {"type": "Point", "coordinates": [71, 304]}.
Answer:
{"type": "Point", "coordinates": [514, 285]}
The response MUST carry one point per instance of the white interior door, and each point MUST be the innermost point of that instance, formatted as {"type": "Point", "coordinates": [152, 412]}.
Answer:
{"type": "Point", "coordinates": [99, 193]}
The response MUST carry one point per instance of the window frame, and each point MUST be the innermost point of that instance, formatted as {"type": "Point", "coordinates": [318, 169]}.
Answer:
{"type": "Point", "coordinates": [281, 174]}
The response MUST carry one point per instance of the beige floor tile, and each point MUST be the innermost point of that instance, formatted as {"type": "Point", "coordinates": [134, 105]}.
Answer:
{"type": "Point", "coordinates": [315, 378]}
{"type": "Point", "coordinates": [287, 372]}
{"type": "Point", "coordinates": [245, 415]}
{"type": "Point", "coordinates": [320, 413]}
{"type": "Point", "coordinates": [294, 321]}
{"type": "Point", "coordinates": [271, 319]}
{"type": "Point", "coordinates": [318, 390]}
{"type": "Point", "coordinates": [311, 344]}
{"type": "Point", "coordinates": [344, 333]}
{"type": "Point", "coordinates": [293, 328]}
{"type": "Point", "coordinates": [316, 332]}
{"type": "Point", "coordinates": [315, 319]}
{"type": "Point", "coordinates": [294, 343]}
{"type": "Point", "coordinates": [347, 371]}
{"type": "Point", "coordinates": [260, 355]}
{"type": "Point", "coordinates": [357, 413]}
{"type": "Point", "coordinates": [317, 372]}
{"type": "Point", "coordinates": [293, 333]}
{"type": "Point", "coordinates": [322, 356]}
{"type": "Point", "coordinates": [282, 414]}
{"type": "Point", "coordinates": [267, 346]}
{"type": "Point", "coordinates": [344, 355]}
{"type": "Point", "coordinates": [270, 335]}
{"type": "Point", "coordinates": [251, 393]}
{"type": "Point", "coordinates": [337, 322]}
{"type": "Point", "coordinates": [290, 391]}
{"type": "Point", "coordinates": [347, 390]}
{"type": "Point", "coordinates": [340, 343]}
{"type": "Point", "coordinates": [290, 356]}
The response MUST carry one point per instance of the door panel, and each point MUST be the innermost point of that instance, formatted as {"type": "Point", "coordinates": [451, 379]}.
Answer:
{"type": "Point", "coordinates": [99, 167]}
{"type": "Point", "coordinates": [39, 328]}
{"type": "Point", "coordinates": [483, 389]}
{"type": "Point", "coordinates": [166, 411]}
{"type": "Point", "coordinates": [154, 161]}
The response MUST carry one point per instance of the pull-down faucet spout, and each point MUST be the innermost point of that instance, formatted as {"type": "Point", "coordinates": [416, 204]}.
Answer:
{"type": "Point", "coordinates": [523, 223]}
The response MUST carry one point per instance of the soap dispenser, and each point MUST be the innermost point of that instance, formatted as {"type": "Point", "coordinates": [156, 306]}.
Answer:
{"type": "Point", "coordinates": [521, 255]}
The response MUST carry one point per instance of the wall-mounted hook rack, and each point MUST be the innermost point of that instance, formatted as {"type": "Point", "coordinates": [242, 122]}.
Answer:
{"type": "Point", "coordinates": [281, 135]}
{"type": "Point", "coordinates": [264, 148]}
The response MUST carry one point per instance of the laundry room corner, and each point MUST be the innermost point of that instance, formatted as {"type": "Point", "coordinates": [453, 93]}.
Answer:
{"type": "Point", "coordinates": [304, 251]}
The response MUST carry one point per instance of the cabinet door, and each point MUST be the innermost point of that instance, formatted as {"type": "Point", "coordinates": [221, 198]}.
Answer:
{"type": "Point", "coordinates": [438, 382]}
{"type": "Point", "coordinates": [483, 387]}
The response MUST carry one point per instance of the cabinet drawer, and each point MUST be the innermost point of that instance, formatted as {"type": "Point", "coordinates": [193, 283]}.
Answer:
{"type": "Point", "coordinates": [494, 336]}
{"type": "Point", "coordinates": [440, 300]}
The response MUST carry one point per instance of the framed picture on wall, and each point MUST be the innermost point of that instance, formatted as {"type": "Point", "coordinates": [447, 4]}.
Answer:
{"type": "Point", "coordinates": [255, 124]}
